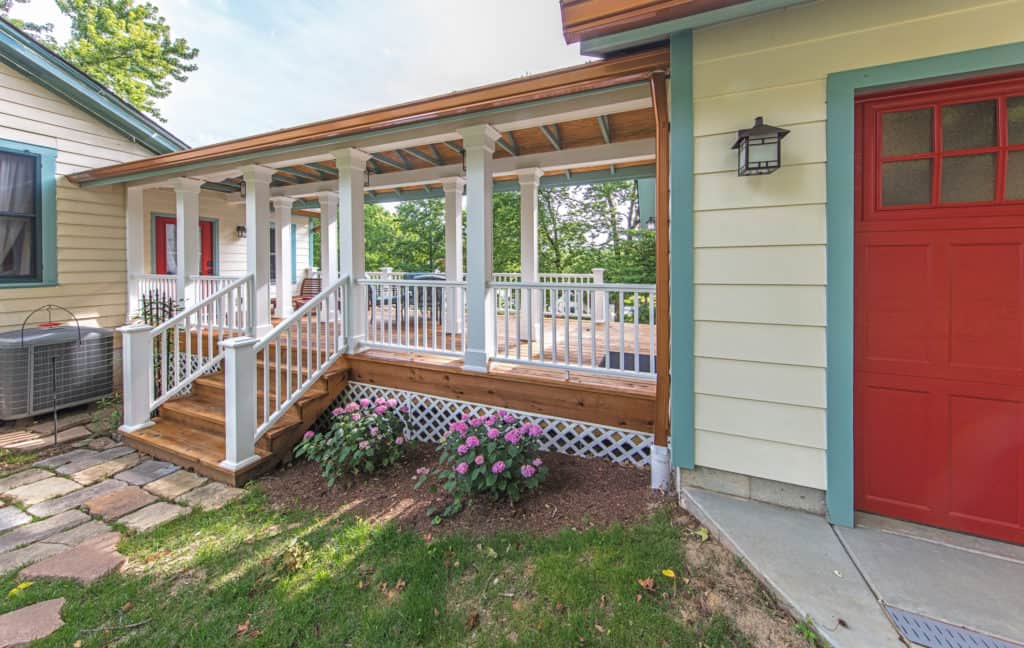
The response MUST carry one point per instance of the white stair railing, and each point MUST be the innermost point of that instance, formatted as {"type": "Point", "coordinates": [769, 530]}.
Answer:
{"type": "Point", "coordinates": [416, 315]}
{"type": "Point", "coordinates": [607, 328]}
{"type": "Point", "coordinates": [265, 377]}
{"type": "Point", "coordinates": [162, 362]}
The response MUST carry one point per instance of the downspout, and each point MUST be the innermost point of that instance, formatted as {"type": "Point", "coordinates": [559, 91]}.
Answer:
{"type": "Point", "coordinates": [661, 464]}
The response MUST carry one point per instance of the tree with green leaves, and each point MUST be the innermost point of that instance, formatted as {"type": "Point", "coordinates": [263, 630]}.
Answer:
{"type": "Point", "coordinates": [126, 46]}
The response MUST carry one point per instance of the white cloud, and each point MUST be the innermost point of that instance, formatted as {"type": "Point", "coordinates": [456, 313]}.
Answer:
{"type": "Point", "coordinates": [265, 64]}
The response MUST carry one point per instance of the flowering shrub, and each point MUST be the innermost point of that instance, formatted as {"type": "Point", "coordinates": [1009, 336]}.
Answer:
{"type": "Point", "coordinates": [494, 455]}
{"type": "Point", "coordinates": [364, 436]}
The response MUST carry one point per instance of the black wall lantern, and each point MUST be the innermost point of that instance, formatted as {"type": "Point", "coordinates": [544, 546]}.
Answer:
{"type": "Point", "coordinates": [759, 148]}
{"type": "Point", "coordinates": [240, 231]}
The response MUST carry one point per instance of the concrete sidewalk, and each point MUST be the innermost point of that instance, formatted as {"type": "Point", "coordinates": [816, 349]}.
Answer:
{"type": "Point", "coordinates": [840, 577]}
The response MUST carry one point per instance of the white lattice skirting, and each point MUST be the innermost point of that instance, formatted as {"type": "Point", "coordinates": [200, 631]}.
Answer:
{"type": "Point", "coordinates": [429, 417]}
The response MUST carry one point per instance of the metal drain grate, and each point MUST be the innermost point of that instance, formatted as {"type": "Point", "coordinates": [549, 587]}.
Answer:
{"type": "Point", "coordinates": [935, 634]}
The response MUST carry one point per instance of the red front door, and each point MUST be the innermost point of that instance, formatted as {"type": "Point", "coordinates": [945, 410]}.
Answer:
{"type": "Point", "coordinates": [166, 245]}
{"type": "Point", "coordinates": [939, 302]}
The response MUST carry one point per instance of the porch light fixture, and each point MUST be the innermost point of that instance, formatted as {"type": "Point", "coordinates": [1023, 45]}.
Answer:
{"type": "Point", "coordinates": [240, 231]}
{"type": "Point", "coordinates": [241, 189]}
{"type": "Point", "coordinates": [759, 149]}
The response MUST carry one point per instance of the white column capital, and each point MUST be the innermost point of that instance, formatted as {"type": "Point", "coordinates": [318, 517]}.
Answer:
{"type": "Point", "coordinates": [327, 196]}
{"type": "Point", "coordinates": [256, 173]}
{"type": "Point", "coordinates": [453, 185]}
{"type": "Point", "coordinates": [282, 202]}
{"type": "Point", "coordinates": [480, 136]}
{"type": "Point", "coordinates": [529, 176]}
{"type": "Point", "coordinates": [351, 158]}
{"type": "Point", "coordinates": [186, 185]}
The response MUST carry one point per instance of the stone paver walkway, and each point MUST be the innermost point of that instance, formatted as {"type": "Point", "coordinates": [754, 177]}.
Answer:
{"type": "Point", "coordinates": [56, 516]}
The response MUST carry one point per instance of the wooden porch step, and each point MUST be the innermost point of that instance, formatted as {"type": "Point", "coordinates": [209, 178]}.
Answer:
{"type": "Point", "coordinates": [208, 415]}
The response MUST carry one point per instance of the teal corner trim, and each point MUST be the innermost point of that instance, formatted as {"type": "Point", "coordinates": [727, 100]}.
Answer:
{"type": "Point", "coordinates": [294, 263]}
{"type": "Point", "coordinates": [842, 88]}
{"type": "Point", "coordinates": [43, 66]}
{"type": "Point", "coordinates": [645, 191]}
{"type": "Point", "coordinates": [47, 199]}
{"type": "Point", "coordinates": [664, 30]}
{"type": "Point", "coordinates": [681, 247]}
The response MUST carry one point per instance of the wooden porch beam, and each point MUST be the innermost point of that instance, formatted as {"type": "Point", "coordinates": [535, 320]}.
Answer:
{"type": "Point", "coordinates": [380, 157]}
{"type": "Point", "coordinates": [659, 92]}
{"type": "Point", "coordinates": [551, 132]}
{"type": "Point", "coordinates": [422, 156]}
{"type": "Point", "coordinates": [606, 129]}
{"type": "Point", "coordinates": [406, 164]}
{"type": "Point", "coordinates": [454, 147]}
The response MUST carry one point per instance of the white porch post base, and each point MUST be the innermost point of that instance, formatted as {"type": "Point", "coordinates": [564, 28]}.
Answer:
{"type": "Point", "coordinates": [475, 360]}
{"type": "Point", "coordinates": [600, 296]}
{"type": "Point", "coordinates": [239, 402]}
{"type": "Point", "coordinates": [137, 370]}
{"type": "Point", "coordinates": [661, 468]}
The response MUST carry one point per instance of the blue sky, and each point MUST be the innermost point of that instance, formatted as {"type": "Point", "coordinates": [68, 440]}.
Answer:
{"type": "Point", "coordinates": [266, 64]}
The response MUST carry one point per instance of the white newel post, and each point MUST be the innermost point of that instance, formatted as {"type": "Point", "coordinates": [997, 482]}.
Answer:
{"type": "Point", "coordinates": [257, 242]}
{"type": "Point", "coordinates": [453, 188]}
{"type": "Point", "coordinates": [283, 245]}
{"type": "Point", "coordinates": [135, 242]}
{"type": "Point", "coordinates": [328, 237]}
{"type": "Point", "coordinates": [351, 165]}
{"type": "Point", "coordinates": [529, 258]}
{"type": "Point", "coordinates": [385, 273]}
{"type": "Point", "coordinates": [478, 142]}
{"type": "Point", "coordinates": [239, 402]}
{"type": "Point", "coordinates": [137, 370]}
{"type": "Point", "coordinates": [186, 201]}
{"type": "Point", "coordinates": [600, 296]}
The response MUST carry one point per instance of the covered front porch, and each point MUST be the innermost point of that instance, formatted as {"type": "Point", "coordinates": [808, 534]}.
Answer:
{"type": "Point", "coordinates": [578, 337]}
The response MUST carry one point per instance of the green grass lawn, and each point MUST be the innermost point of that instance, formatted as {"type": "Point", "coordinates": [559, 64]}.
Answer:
{"type": "Point", "coordinates": [250, 575]}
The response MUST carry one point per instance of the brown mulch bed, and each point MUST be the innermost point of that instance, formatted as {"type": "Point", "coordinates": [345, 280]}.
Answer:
{"type": "Point", "coordinates": [578, 493]}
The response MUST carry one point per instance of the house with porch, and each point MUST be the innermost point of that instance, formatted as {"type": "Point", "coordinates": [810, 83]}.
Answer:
{"type": "Point", "coordinates": [836, 322]}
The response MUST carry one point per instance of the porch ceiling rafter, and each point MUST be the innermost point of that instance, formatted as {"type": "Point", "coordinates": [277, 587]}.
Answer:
{"type": "Point", "coordinates": [551, 132]}
{"type": "Point", "coordinates": [602, 87]}
{"type": "Point", "coordinates": [606, 129]}
{"type": "Point", "coordinates": [419, 155]}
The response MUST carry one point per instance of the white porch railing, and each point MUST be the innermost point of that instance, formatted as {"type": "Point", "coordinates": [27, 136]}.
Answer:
{"type": "Point", "coordinates": [162, 287]}
{"type": "Point", "coordinates": [416, 315]}
{"type": "Point", "coordinates": [595, 277]}
{"type": "Point", "coordinates": [207, 285]}
{"type": "Point", "coordinates": [609, 328]}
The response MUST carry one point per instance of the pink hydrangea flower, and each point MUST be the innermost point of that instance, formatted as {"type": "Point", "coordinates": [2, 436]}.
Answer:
{"type": "Point", "coordinates": [374, 431]}
{"type": "Point", "coordinates": [459, 427]}
{"type": "Point", "coordinates": [472, 441]}
{"type": "Point", "coordinates": [475, 422]}
{"type": "Point", "coordinates": [508, 418]}
{"type": "Point", "coordinates": [533, 429]}
{"type": "Point", "coordinates": [479, 460]}
{"type": "Point", "coordinates": [399, 440]}
{"type": "Point", "coordinates": [493, 433]}
{"type": "Point", "coordinates": [463, 449]}
{"type": "Point", "coordinates": [498, 467]}
{"type": "Point", "coordinates": [308, 435]}
{"type": "Point", "coordinates": [537, 462]}
{"type": "Point", "coordinates": [337, 411]}
{"type": "Point", "coordinates": [462, 468]}
{"type": "Point", "coordinates": [363, 445]}
{"type": "Point", "coordinates": [380, 409]}
{"type": "Point", "coordinates": [352, 407]}
{"type": "Point", "coordinates": [490, 420]}
{"type": "Point", "coordinates": [391, 402]}
{"type": "Point", "coordinates": [357, 416]}
{"type": "Point", "coordinates": [380, 400]}
{"type": "Point", "coordinates": [365, 402]}
{"type": "Point", "coordinates": [512, 436]}
{"type": "Point", "coordinates": [423, 471]}
{"type": "Point", "coordinates": [404, 409]}
{"type": "Point", "coordinates": [528, 471]}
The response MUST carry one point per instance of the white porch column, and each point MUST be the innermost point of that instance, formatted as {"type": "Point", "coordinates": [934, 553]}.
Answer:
{"type": "Point", "coordinates": [351, 165]}
{"type": "Point", "coordinates": [257, 241]}
{"type": "Point", "coordinates": [478, 141]}
{"type": "Point", "coordinates": [529, 259]}
{"type": "Point", "coordinates": [453, 188]}
{"type": "Point", "coordinates": [137, 371]}
{"type": "Point", "coordinates": [328, 237]}
{"type": "Point", "coordinates": [135, 242]}
{"type": "Point", "coordinates": [283, 245]}
{"type": "Point", "coordinates": [240, 400]}
{"type": "Point", "coordinates": [186, 200]}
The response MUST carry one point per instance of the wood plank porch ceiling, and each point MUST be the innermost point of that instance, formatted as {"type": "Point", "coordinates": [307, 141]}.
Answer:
{"type": "Point", "coordinates": [609, 73]}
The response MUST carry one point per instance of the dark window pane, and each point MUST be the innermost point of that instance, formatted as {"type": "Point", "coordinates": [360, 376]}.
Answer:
{"type": "Point", "coordinates": [907, 183]}
{"type": "Point", "coordinates": [1015, 119]}
{"type": "Point", "coordinates": [1015, 175]}
{"type": "Point", "coordinates": [17, 184]}
{"type": "Point", "coordinates": [17, 247]}
{"type": "Point", "coordinates": [969, 178]}
{"type": "Point", "coordinates": [969, 125]}
{"type": "Point", "coordinates": [907, 132]}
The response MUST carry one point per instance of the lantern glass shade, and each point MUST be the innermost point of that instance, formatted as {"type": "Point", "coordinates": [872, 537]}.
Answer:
{"type": "Point", "coordinates": [759, 149]}
{"type": "Point", "coordinates": [240, 231]}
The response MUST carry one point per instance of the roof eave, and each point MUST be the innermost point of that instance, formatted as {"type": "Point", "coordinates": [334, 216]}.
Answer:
{"type": "Point", "coordinates": [49, 70]}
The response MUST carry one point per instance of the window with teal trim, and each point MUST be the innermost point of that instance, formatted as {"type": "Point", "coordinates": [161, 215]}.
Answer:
{"type": "Point", "coordinates": [28, 215]}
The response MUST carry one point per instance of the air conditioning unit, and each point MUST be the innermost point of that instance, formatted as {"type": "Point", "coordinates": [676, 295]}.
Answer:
{"type": "Point", "coordinates": [46, 368]}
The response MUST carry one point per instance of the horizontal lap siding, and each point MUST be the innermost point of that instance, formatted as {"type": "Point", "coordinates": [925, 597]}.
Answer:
{"type": "Point", "coordinates": [91, 277]}
{"type": "Point", "coordinates": [760, 257]}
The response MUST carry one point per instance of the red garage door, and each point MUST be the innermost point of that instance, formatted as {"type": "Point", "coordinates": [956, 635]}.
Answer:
{"type": "Point", "coordinates": [939, 300]}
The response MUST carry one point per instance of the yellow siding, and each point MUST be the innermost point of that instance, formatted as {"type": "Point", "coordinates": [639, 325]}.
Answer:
{"type": "Point", "coordinates": [760, 258]}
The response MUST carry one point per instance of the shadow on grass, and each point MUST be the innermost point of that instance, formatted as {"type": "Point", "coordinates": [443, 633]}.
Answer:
{"type": "Point", "coordinates": [251, 575]}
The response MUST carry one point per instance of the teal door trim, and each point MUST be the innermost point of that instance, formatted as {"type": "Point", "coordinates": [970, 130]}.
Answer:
{"type": "Point", "coordinates": [842, 88]}
{"type": "Point", "coordinates": [681, 249]}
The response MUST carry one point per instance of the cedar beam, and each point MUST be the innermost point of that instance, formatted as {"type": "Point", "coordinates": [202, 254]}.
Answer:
{"type": "Point", "coordinates": [659, 93]}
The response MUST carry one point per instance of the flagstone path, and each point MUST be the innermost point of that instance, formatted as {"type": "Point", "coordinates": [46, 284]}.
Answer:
{"type": "Point", "coordinates": [55, 519]}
